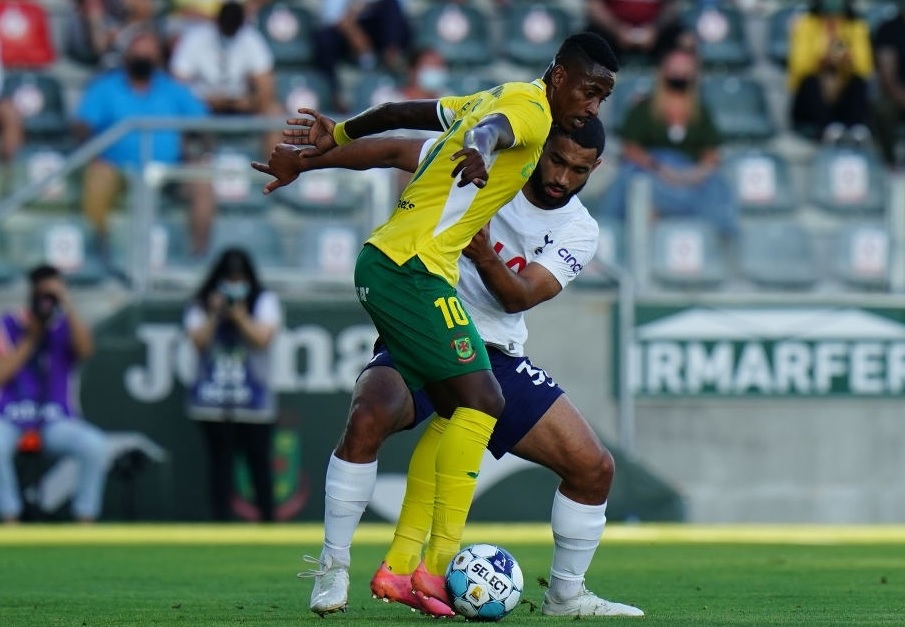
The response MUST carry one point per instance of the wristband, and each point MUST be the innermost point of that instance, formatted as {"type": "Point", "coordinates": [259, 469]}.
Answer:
{"type": "Point", "coordinates": [340, 136]}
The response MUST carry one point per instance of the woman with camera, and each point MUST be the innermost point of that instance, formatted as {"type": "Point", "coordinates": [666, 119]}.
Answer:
{"type": "Point", "coordinates": [232, 322]}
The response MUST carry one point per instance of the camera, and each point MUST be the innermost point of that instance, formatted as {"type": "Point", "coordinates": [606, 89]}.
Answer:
{"type": "Point", "coordinates": [44, 306]}
{"type": "Point", "coordinates": [233, 291]}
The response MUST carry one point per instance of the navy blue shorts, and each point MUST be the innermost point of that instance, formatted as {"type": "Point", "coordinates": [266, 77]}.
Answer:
{"type": "Point", "coordinates": [529, 392]}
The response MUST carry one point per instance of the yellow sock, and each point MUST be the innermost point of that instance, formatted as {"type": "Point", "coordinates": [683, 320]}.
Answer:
{"type": "Point", "coordinates": [459, 456]}
{"type": "Point", "coordinates": [418, 505]}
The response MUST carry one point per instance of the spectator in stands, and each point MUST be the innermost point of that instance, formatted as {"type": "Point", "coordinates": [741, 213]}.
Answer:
{"type": "Point", "coordinates": [138, 89]}
{"type": "Point", "coordinates": [98, 30]}
{"type": "Point", "coordinates": [670, 136]}
{"type": "Point", "coordinates": [12, 130]}
{"type": "Point", "coordinates": [229, 65]}
{"type": "Point", "coordinates": [830, 62]}
{"type": "Point", "coordinates": [889, 110]}
{"type": "Point", "coordinates": [40, 349]}
{"type": "Point", "coordinates": [633, 27]}
{"type": "Point", "coordinates": [233, 321]}
{"type": "Point", "coordinates": [373, 31]}
{"type": "Point", "coordinates": [427, 76]}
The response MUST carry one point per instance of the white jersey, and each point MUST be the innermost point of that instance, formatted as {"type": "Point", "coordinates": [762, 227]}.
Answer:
{"type": "Point", "coordinates": [562, 240]}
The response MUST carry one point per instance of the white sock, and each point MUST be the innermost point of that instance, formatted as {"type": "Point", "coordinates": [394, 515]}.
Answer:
{"type": "Point", "coordinates": [347, 491]}
{"type": "Point", "coordinates": [577, 530]}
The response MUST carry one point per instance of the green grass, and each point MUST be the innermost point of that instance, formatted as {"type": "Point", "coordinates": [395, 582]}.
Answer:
{"type": "Point", "coordinates": [66, 578]}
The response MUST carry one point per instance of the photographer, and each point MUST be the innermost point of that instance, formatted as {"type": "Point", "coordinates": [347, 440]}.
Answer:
{"type": "Point", "coordinates": [40, 348]}
{"type": "Point", "coordinates": [232, 322]}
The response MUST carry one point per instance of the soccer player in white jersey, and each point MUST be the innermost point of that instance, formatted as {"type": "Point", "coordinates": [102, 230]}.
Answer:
{"type": "Point", "coordinates": [533, 247]}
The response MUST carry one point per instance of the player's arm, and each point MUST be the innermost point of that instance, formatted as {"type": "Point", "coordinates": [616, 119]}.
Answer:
{"type": "Point", "coordinates": [515, 291]}
{"type": "Point", "coordinates": [321, 133]}
{"type": "Point", "coordinates": [492, 133]}
{"type": "Point", "coordinates": [287, 162]}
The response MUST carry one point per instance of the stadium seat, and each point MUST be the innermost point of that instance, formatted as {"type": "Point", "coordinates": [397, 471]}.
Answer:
{"type": "Point", "coordinates": [721, 36]}
{"type": "Point", "coordinates": [458, 32]}
{"type": "Point", "coordinates": [686, 253]}
{"type": "Point", "coordinates": [761, 181]}
{"type": "Point", "coordinates": [26, 40]}
{"type": "Point", "coordinates": [303, 89]}
{"type": "Point", "coordinates": [34, 163]}
{"type": "Point", "coordinates": [67, 243]}
{"type": "Point", "coordinates": [610, 254]}
{"type": "Point", "coordinates": [236, 186]}
{"type": "Point", "coordinates": [329, 248]}
{"type": "Point", "coordinates": [779, 25]}
{"type": "Point", "coordinates": [533, 32]}
{"type": "Point", "coordinates": [739, 108]}
{"type": "Point", "coordinates": [289, 33]}
{"type": "Point", "coordinates": [777, 254]}
{"type": "Point", "coordinates": [847, 180]}
{"type": "Point", "coordinates": [256, 235]}
{"type": "Point", "coordinates": [167, 245]}
{"type": "Point", "coordinates": [878, 12]}
{"type": "Point", "coordinates": [39, 99]}
{"type": "Point", "coordinates": [861, 255]}
{"type": "Point", "coordinates": [630, 88]}
{"type": "Point", "coordinates": [373, 89]}
{"type": "Point", "coordinates": [468, 83]}
{"type": "Point", "coordinates": [332, 193]}
{"type": "Point", "coordinates": [8, 271]}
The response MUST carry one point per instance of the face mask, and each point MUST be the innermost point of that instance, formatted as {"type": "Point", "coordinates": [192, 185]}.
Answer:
{"type": "Point", "coordinates": [432, 78]}
{"type": "Point", "coordinates": [833, 7]}
{"type": "Point", "coordinates": [678, 83]}
{"type": "Point", "coordinates": [139, 68]}
{"type": "Point", "coordinates": [233, 291]}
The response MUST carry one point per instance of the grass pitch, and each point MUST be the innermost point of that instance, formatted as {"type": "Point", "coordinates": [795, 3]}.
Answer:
{"type": "Point", "coordinates": [245, 575]}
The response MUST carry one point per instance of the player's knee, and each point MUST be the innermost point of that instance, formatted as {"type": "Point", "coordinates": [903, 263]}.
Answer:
{"type": "Point", "coordinates": [488, 399]}
{"type": "Point", "coordinates": [592, 474]}
{"type": "Point", "coordinates": [366, 430]}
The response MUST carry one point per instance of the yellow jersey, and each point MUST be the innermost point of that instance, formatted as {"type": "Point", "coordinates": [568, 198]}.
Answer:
{"type": "Point", "coordinates": [434, 218]}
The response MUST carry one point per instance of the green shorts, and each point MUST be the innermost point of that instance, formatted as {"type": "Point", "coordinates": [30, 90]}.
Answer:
{"type": "Point", "coordinates": [427, 331]}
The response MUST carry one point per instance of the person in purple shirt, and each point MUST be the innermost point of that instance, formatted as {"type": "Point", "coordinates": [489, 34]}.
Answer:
{"type": "Point", "coordinates": [138, 89]}
{"type": "Point", "coordinates": [40, 349]}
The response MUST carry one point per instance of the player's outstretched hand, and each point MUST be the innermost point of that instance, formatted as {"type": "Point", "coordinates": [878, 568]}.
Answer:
{"type": "Point", "coordinates": [315, 131]}
{"type": "Point", "coordinates": [284, 166]}
{"type": "Point", "coordinates": [472, 168]}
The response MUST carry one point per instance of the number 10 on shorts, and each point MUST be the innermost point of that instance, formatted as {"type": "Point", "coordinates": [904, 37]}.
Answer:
{"type": "Point", "coordinates": [453, 312]}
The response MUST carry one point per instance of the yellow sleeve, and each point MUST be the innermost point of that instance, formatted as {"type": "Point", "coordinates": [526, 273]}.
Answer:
{"type": "Point", "coordinates": [449, 108]}
{"type": "Point", "coordinates": [862, 56]}
{"type": "Point", "coordinates": [528, 118]}
{"type": "Point", "coordinates": [804, 50]}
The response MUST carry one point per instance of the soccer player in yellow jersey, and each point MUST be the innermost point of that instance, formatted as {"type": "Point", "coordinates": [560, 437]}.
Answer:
{"type": "Point", "coordinates": [407, 270]}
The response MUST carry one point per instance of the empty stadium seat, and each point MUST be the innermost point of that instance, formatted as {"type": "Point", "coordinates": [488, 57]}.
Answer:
{"type": "Point", "coordinates": [289, 33]}
{"type": "Point", "coordinates": [330, 193]}
{"type": "Point", "coordinates": [779, 26]}
{"type": "Point", "coordinates": [721, 36]}
{"type": "Point", "coordinates": [34, 163]}
{"type": "Point", "coordinates": [329, 248]}
{"type": "Point", "coordinates": [236, 186]}
{"type": "Point", "coordinates": [258, 236]}
{"type": "Point", "coordinates": [777, 254]}
{"type": "Point", "coordinates": [309, 89]}
{"type": "Point", "coordinates": [739, 108]}
{"type": "Point", "coordinates": [847, 180]}
{"type": "Point", "coordinates": [458, 32]}
{"type": "Point", "coordinates": [861, 255]}
{"type": "Point", "coordinates": [67, 243]}
{"type": "Point", "coordinates": [686, 253]}
{"type": "Point", "coordinates": [761, 181]}
{"type": "Point", "coordinates": [373, 89]}
{"type": "Point", "coordinates": [39, 99]}
{"type": "Point", "coordinates": [25, 35]}
{"type": "Point", "coordinates": [532, 33]}
{"type": "Point", "coordinates": [167, 245]}
{"type": "Point", "coordinates": [630, 89]}
{"type": "Point", "coordinates": [468, 83]}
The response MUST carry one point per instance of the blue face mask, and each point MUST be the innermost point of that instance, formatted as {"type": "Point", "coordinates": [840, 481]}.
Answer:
{"type": "Point", "coordinates": [234, 291]}
{"type": "Point", "coordinates": [432, 78]}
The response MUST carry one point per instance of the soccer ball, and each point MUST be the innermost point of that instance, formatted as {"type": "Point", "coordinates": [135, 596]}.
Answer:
{"type": "Point", "coordinates": [484, 582]}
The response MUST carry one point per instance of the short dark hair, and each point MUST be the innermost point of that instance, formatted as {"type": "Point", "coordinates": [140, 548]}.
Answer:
{"type": "Point", "coordinates": [590, 135]}
{"type": "Point", "coordinates": [585, 49]}
{"type": "Point", "coordinates": [41, 273]}
{"type": "Point", "coordinates": [230, 18]}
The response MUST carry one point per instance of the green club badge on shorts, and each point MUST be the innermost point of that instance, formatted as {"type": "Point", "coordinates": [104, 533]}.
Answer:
{"type": "Point", "coordinates": [464, 349]}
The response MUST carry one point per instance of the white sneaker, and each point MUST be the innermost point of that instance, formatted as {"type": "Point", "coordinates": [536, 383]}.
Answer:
{"type": "Point", "coordinates": [586, 604]}
{"type": "Point", "coordinates": [331, 585]}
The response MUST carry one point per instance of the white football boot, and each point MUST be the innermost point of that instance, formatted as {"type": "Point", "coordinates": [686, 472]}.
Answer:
{"type": "Point", "coordinates": [331, 585]}
{"type": "Point", "coordinates": [586, 604]}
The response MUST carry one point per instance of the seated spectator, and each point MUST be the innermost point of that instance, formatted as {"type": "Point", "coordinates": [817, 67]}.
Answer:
{"type": "Point", "coordinates": [632, 27]}
{"type": "Point", "coordinates": [12, 132]}
{"type": "Point", "coordinates": [427, 76]}
{"type": "Point", "coordinates": [98, 30]}
{"type": "Point", "coordinates": [228, 64]}
{"type": "Point", "coordinates": [371, 30]}
{"type": "Point", "coordinates": [138, 89]}
{"type": "Point", "coordinates": [889, 110]}
{"type": "Point", "coordinates": [830, 63]}
{"type": "Point", "coordinates": [40, 349]}
{"type": "Point", "coordinates": [670, 136]}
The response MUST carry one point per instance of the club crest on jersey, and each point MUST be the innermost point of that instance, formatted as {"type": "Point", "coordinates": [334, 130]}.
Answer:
{"type": "Point", "coordinates": [464, 349]}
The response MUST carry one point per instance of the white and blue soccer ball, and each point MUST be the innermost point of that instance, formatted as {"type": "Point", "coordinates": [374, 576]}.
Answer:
{"type": "Point", "coordinates": [484, 582]}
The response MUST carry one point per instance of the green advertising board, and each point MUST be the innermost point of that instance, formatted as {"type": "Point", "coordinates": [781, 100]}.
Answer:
{"type": "Point", "coordinates": [767, 351]}
{"type": "Point", "coordinates": [136, 383]}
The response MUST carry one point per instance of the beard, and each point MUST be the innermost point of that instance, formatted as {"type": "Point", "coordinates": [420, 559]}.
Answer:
{"type": "Point", "coordinates": [541, 196]}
